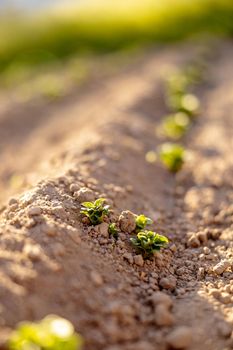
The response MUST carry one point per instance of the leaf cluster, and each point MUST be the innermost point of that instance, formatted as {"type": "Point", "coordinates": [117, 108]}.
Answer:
{"type": "Point", "coordinates": [148, 242]}
{"type": "Point", "coordinates": [172, 156]}
{"type": "Point", "coordinates": [95, 211]}
{"type": "Point", "coordinates": [52, 333]}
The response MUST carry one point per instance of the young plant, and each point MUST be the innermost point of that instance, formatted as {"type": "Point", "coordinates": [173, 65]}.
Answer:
{"type": "Point", "coordinates": [52, 333]}
{"type": "Point", "coordinates": [172, 156]}
{"type": "Point", "coordinates": [176, 125]}
{"type": "Point", "coordinates": [112, 230]}
{"type": "Point", "coordinates": [142, 221]}
{"type": "Point", "coordinates": [95, 211]}
{"type": "Point", "coordinates": [148, 242]}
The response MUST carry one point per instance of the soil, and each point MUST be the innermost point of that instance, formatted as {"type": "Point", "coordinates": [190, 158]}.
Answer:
{"type": "Point", "coordinates": [52, 262]}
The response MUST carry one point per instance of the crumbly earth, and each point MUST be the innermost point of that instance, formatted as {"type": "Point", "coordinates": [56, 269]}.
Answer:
{"type": "Point", "coordinates": [53, 262]}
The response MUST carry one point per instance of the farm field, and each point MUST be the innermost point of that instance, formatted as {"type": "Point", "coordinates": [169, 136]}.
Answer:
{"type": "Point", "coordinates": [116, 192]}
{"type": "Point", "coordinates": [102, 142]}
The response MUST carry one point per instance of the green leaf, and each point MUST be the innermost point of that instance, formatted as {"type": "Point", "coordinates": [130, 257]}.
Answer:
{"type": "Point", "coordinates": [148, 241]}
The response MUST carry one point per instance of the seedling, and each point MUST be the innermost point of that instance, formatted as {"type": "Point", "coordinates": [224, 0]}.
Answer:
{"type": "Point", "coordinates": [142, 221]}
{"type": "Point", "coordinates": [148, 242]}
{"type": "Point", "coordinates": [95, 211]}
{"type": "Point", "coordinates": [113, 231]}
{"type": "Point", "coordinates": [172, 156]}
{"type": "Point", "coordinates": [52, 333]}
{"type": "Point", "coordinates": [175, 125]}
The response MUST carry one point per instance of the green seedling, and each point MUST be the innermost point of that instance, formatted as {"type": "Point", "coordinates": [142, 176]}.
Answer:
{"type": "Point", "coordinates": [172, 156]}
{"type": "Point", "coordinates": [95, 211]}
{"type": "Point", "coordinates": [142, 221]}
{"type": "Point", "coordinates": [189, 104]}
{"type": "Point", "coordinates": [176, 125]}
{"type": "Point", "coordinates": [52, 333]}
{"type": "Point", "coordinates": [112, 230]}
{"type": "Point", "coordinates": [148, 242]}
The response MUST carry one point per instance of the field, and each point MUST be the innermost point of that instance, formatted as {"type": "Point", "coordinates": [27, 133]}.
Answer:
{"type": "Point", "coordinates": [146, 127]}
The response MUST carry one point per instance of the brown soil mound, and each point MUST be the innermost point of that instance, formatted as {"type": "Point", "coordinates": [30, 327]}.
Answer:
{"type": "Point", "coordinates": [51, 262]}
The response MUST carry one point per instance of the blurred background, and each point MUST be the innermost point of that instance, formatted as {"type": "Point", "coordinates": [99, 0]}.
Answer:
{"type": "Point", "coordinates": [54, 43]}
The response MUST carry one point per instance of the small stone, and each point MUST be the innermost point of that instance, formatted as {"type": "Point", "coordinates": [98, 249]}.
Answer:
{"type": "Point", "coordinates": [96, 278]}
{"type": "Point", "coordinates": [127, 221]}
{"type": "Point", "coordinates": [13, 201]}
{"type": "Point", "coordinates": [180, 338]}
{"type": "Point", "coordinates": [138, 260]}
{"type": "Point", "coordinates": [206, 250]}
{"type": "Point", "coordinates": [128, 257]}
{"type": "Point", "coordinates": [215, 293]}
{"type": "Point", "coordinates": [225, 298]}
{"type": "Point", "coordinates": [173, 248]}
{"type": "Point", "coordinates": [103, 229]}
{"type": "Point", "coordinates": [74, 188]}
{"type": "Point", "coordinates": [194, 241]}
{"type": "Point", "coordinates": [32, 251]}
{"type": "Point", "coordinates": [84, 195]}
{"type": "Point", "coordinates": [202, 237]}
{"type": "Point", "coordinates": [221, 267]}
{"type": "Point", "coordinates": [50, 230]}
{"type": "Point", "coordinates": [34, 211]}
{"type": "Point", "coordinates": [168, 283]}
{"type": "Point", "coordinates": [163, 316]}
{"type": "Point", "coordinates": [161, 298]}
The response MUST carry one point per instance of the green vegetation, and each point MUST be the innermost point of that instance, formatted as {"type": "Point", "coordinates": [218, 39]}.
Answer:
{"type": "Point", "coordinates": [52, 333]}
{"type": "Point", "coordinates": [172, 156]}
{"type": "Point", "coordinates": [95, 211]}
{"type": "Point", "coordinates": [112, 230]}
{"type": "Point", "coordinates": [105, 26]}
{"type": "Point", "coordinates": [148, 242]}
{"type": "Point", "coordinates": [142, 221]}
{"type": "Point", "coordinates": [175, 125]}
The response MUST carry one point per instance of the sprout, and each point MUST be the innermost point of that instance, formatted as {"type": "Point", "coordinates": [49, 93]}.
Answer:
{"type": "Point", "coordinates": [175, 125]}
{"type": "Point", "coordinates": [142, 221]}
{"type": "Point", "coordinates": [52, 333]}
{"type": "Point", "coordinates": [112, 230]}
{"type": "Point", "coordinates": [148, 242]}
{"type": "Point", "coordinates": [189, 103]}
{"type": "Point", "coordinates": [172, 156]}
{"type": "Point", "coordinates": [95, 211]}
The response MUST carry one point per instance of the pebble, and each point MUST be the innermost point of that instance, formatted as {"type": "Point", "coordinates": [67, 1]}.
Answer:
{"type": "Point", "coordinates": [221, 267]}
{"type": "Point", "coordinates": [128, 257]}
{"type": "Point", "coordinates": [161, 298]}
{"type": "Point", "coordinates": [103, 229]}
{"type": "Point", "coordinates": [215, 293]}
{"type": "Point", "coordinates": [34, 211]}
{"type": "Point", "coordinates": [206, 250]}
{"type": "Point", "coordinates": [225, 298]}
{"type": "Point", "coordinates": [32, 251]}
{"type": "Point", "coordinates": [180, 337]}
{"type": "Point", "coordinates": [168, 283]}
{"type": "Point", "coordinates": [127, 221]}
{"type": "Point", "coordinates": [96, 278]}
{"type": "Point", "coordinates": [84, 195]}
{"type": "Point", "coordinates": [163, 316]}
{"type": "Point", "coordinates": [138, 260]}
{"type": "Point", "coordinates": [74, 187]}
{"type": "Point", "coordinates": [194, 242]}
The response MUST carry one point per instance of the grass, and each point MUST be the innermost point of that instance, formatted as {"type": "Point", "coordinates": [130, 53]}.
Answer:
{"type": "Point", "coordinates": [53, 37]}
